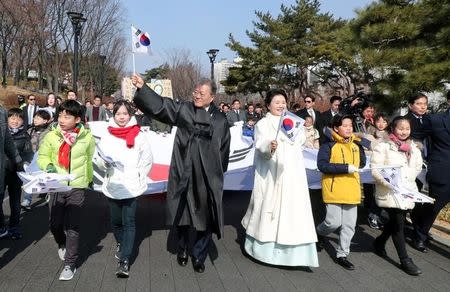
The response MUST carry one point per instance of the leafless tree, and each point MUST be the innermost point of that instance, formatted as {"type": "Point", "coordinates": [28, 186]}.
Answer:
{"type": "Point", "coordinates": [184, 72]}
{"type": "Point", "coordinates": [40, 36]}
{"type": "Point", "coordinates": [9, 29]}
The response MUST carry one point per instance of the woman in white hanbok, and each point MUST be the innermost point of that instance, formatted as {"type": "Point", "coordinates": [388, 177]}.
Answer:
{"type": "Point", "coordinates": [279, 222]}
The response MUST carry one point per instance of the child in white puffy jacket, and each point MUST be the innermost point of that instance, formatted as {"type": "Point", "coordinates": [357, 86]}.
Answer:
{"type": "Point", "coordinates": [127, 160]}
{"type": "Point", "coordinates": [401, 151]}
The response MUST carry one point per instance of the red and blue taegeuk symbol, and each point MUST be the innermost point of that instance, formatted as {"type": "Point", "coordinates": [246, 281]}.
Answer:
{"type": "Point", "coordinates": [288, 124]}
{"type": "Point", "coordinates": [144, 40]}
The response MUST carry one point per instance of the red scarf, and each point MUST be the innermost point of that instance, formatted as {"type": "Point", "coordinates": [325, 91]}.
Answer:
{"type": "Point", "coordinates": [126, 133]}
{"type": "Point", "coordinates": [64, 149]}
{"type": "Point", "coordinates": [403, 146]}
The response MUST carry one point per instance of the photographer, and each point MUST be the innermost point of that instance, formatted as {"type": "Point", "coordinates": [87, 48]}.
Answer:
{"type": "Point", "coordinates": [355, 105]}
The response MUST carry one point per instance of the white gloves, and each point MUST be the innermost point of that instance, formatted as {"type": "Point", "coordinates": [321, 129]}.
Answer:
{"type": "Point", "coordinates": [352, 168]}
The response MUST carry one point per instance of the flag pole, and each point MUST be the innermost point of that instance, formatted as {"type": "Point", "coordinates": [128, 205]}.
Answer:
{"type": "Point", "coordinates": [132, 50]}
{"type": "Point", "coordinates": [279, 125]}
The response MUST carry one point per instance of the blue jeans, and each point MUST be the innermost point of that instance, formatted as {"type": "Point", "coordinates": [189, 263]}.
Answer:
{"type": "Point", "coordinates": [27, 196]}
{"type": "Point", "coordinates": [123, 214]}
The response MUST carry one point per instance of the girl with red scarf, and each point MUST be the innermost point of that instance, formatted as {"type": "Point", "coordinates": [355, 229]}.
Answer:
{"type": "Point", "coordinates": [127, 160]}
{"type": "Point", "coordinates": [398, 150]}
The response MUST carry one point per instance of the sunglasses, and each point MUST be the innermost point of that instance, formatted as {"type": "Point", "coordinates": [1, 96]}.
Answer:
{"type": "Point", "coordinates": [308, 101]}
{"type": "Point", "coordinates": [31, 99]}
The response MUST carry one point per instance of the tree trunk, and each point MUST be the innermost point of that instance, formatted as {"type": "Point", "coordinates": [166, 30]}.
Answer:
{"type": "Point", "coordinates": [49, 82]}
{"type": "Point", "coordinates": [19, 64]}
{"type": "Point", "coordinates": [16, 74]}
{"type": "Point", "coordinates": [4, 64]}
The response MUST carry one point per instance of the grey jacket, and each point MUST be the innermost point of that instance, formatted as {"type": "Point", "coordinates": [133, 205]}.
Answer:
{"type": "Point", "coordinates": [101, 114]}
{"type": "Point", "coordinates": [233, 117]}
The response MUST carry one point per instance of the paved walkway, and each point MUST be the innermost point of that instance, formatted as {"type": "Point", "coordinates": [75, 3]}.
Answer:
{"type": "Point", "coordinates": [32, 264]}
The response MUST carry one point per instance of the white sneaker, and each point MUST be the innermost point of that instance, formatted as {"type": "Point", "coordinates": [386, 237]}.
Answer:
{"type": "Point", "coordinates": [67, 273]}
{"type": "Point", "coordinates": [62, 253]}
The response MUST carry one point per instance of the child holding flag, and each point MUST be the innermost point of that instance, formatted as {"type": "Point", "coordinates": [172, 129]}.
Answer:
{"type": "Point", "coordinates": [279, 223]}
{"type": "Point", "coordinates": [398, 150]}
{"type": "Point", "coordinates": [339, 160]}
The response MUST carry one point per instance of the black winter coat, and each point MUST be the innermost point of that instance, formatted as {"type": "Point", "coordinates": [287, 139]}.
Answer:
{"type": "Point", "coordinates": [437, 128]}
{"type": "Point", "coordinates": [199, 159]}
{"type": "Point", "coordinates": [22, 141]}
{"type": "Point", "coordinates": [7, 147]}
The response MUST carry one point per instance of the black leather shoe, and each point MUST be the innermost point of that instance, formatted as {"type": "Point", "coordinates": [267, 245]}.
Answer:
{"type": "Point", "coordinates": [419, 245]}
{"type": "Point", "coordinates": [379, 249]}
{"type": "Point", "coordinates": [199, 267]}
{"type": "Point", "coordinates": [343, 262]}
{"type": "Point", "coordinates": [410, 268]}
{"type": "Point", "coordinates": [182, 257]}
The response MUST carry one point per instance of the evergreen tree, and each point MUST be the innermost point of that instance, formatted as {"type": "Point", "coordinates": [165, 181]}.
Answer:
{"type": "Point", "coordinates": [405, 45]}
{"type": "Point", "coordinates": [285, 48]}
{"type": "Point", "coordinates": [160, 72]}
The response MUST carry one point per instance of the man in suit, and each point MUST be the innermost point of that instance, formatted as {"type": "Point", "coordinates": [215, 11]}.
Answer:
{"type": "Point", "coordinates": [326, 116]}
{"type": "Point", "coordinates": [437, 128]}
{"type": "Point", "coordinates": [418, 106]}
{"type": "Point", "coordinates": [251, 112]}
{"type": "Point", "coordinates": [29, 110]}
{"type": "Point", "coordinates": [96, 112]}
{"type": "Point", "coordinates": [310, 111]}
{"type": "Point", "coordinates": [236, 114]}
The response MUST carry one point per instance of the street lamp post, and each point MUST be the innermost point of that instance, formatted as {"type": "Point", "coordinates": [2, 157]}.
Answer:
{"type": "Point", "coordinates": [102, 74]}
{"type": "Point", "coordinates": [77, 20]}
{"type": "Point", "coordinates": [212, 53]}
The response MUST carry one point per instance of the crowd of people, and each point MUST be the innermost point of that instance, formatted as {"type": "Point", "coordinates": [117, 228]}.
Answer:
{"type": "Point", "coordinates": [279, 222]}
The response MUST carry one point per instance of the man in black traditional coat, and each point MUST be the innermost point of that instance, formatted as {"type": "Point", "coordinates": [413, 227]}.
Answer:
{"type": "Point", "coordinates": [199, 161]}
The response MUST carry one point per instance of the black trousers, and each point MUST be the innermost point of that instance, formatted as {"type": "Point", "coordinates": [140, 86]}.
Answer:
{"type": "Point", "coordinates": [14, 185]}
{"type": "Point", "coordinates": [203, 240]}
{"type": "Point", "coordinates": [394, 227]}
{"type": "Point", "coordinates": [65, 215]}
{"type": "Point", "coordinates": [369, 199]}
{"type": "Point", "coordinates": [424, 215]}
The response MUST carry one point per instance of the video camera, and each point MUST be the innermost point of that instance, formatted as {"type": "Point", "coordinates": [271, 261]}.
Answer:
{"type": "Point", "coordinates": [354, 105]}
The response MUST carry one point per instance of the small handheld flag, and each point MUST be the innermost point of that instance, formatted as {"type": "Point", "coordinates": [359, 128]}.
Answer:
{"type": "Point", "coordinates": [140, 41]}
{"type": "Point", "coordinates": [290, 124]}
{"type": "Point", "coordinates": [392, 175]}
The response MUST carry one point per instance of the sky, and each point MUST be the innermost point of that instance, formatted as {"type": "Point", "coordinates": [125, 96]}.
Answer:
{"type": "Point", "coordinates": [200, 25]}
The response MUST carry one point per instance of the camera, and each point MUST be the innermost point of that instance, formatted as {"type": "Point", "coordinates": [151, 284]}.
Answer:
{"type": "Point", "coordinates": [354, 105]}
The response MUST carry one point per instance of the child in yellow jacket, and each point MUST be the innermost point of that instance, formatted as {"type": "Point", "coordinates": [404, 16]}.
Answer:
{"type": "Point", "coordinates": [339, 160]}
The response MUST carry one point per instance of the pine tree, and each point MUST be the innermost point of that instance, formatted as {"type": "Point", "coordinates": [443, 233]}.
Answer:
{"type": "Point", "coordinates": [285, 48]}
{"type": "Point", "coordinates": [405, 45]}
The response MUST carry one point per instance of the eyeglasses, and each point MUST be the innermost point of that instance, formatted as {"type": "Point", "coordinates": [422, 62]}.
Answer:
{"type": "Point", "coordinates": [202, 94]}
{"type": "Point", "coordinates": [308, 101]}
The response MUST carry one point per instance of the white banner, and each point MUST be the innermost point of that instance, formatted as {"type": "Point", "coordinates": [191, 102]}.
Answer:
{"type": "Point", "coordinates": [240, 168]}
